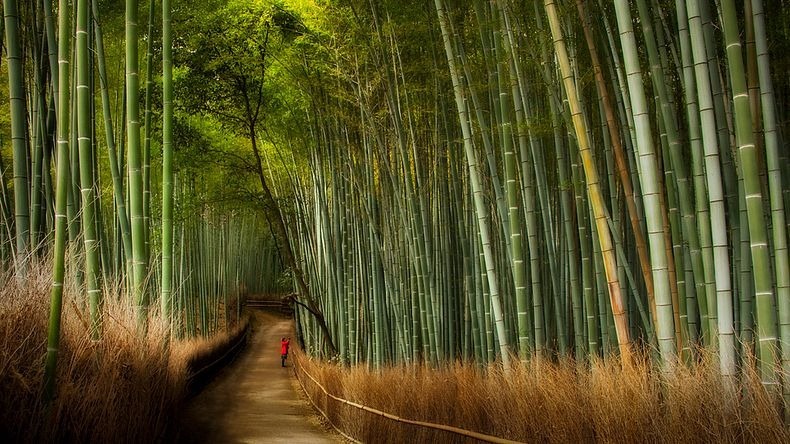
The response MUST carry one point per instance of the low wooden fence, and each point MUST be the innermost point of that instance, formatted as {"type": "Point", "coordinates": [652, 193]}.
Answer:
{"type": "Point", "coordinates": [282, 306]}
{"type": "Point", "coordinates": [202, 369]}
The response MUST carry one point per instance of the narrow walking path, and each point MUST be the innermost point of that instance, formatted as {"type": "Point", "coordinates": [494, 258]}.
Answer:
{"type": "Point", "coordinates": [254, 399]}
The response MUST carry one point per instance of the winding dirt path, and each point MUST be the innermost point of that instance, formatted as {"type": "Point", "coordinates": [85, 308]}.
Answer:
{"type": "Point", "coordinates": [254, 399]}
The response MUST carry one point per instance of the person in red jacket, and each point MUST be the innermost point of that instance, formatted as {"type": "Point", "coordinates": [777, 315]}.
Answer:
{"type": "Point", "coordinates": [284, 345]}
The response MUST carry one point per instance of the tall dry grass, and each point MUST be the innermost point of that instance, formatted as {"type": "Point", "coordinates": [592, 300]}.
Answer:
{"type": "Point", "coordinates": [548, 402]}
{"type": "Point", "coordinates": [124, 388]}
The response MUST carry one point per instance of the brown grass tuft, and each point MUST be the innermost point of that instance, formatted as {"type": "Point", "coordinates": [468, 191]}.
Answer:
{"type": "Point", "coordinates": [548, 402]}
{"type": "Point", "coordinates": [124, 388]}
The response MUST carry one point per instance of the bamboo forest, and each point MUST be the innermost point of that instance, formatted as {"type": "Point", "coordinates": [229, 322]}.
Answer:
{"type": "Point", "coordinates": [457, 221]}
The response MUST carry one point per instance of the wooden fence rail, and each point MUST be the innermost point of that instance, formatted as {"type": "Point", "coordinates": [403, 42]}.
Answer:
{"type": "Point", "coordinates": [268, 304]}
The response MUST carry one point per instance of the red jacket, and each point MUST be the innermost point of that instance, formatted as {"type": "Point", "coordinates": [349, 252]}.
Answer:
{"type": "Point", "coordinates": [284, 347]}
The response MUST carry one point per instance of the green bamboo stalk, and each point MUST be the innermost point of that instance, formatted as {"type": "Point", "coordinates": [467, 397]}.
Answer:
{"type": "Point", "coordinates": [773, 164]}
{"type": "Point", "coordinates": [38, 145]}
{"type": "Point", "coordinates": [5, 200]}
{"type": "Point", "coordinates": [712, 169]}
{"type": "Point", "coordinates": [698, 176]}
{"type": "Point", "coordinates": [724, 128]}
{"type": "Point", "coordinates": [117, 180]}
{"type": "Point", "coordinates": [748, 167]}
{"type": "Point", "coordinates": [139, 264]}
{"type": "Point", "coordinates": [529, 327]}
{"type": "Point", "coordinates": [149, 85]}
{"type": "Point", "coordinates": [472, 162]}
{"type": "Point", "coordinates": [92, 267]}
{"type": "Point", "coordinates": [52, 54]}
{"type": "Point", "coordinates": [167, 163]}
{"type": "Point", "coordinates": [620, 158]}
{"type": "Point", "coordinates": [482, 120]}
{"type": "Point", "coordinates": [591, 173]}
{"type": "Point", "coordinates": [648, 175]}
{"type": "Point", "coordinates": [722, 275]}
{"type": "Point", "coordinates": [511, 181]}
{"type": "Point", "coordinates": [18, 105]}
{"type": "Point", "coordinates": [677, 163]}
{"type": "Point", "coordinates": [63, 176]}
{"type": "Point", "coordinates": [745, 281]}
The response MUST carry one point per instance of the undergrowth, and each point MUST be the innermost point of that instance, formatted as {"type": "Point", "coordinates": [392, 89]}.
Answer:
{"type": "Point", "coordinates": [561, 402]}
{"type": "Point", "coordinates": [123, 388]}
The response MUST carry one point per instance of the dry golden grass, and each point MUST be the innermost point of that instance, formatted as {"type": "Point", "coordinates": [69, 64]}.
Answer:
{"type": "Point", "coordinates": [549, 402]}
{"type": "Point", "coordinates": [123, 388]}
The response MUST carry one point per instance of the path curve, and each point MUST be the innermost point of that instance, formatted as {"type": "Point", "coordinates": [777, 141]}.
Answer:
{"type": "Point", "coordinates": [254, 399]}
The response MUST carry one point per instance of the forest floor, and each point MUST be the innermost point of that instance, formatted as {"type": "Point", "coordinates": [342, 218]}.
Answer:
{"type": "Point", "coordinates": [254, 399]}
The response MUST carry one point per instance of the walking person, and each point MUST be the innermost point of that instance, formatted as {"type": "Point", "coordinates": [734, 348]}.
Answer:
{"type": "Point", "coordinates": [284, 345]}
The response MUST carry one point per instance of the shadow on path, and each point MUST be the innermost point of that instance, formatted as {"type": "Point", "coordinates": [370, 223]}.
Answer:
{"type": "Point", "coordinates": [254, 399]}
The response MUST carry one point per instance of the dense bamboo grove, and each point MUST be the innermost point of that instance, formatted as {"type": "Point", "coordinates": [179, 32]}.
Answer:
{"type": "Point", "coordinates": [440, 180]}
{"type": "Point", "coordinates": [493, 180]}
{"type": "Point", "coordinates": [89, 189]}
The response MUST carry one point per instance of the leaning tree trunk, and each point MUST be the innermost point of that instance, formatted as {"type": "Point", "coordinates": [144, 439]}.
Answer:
{"type": "Point", "coordinates": [277, 225]}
